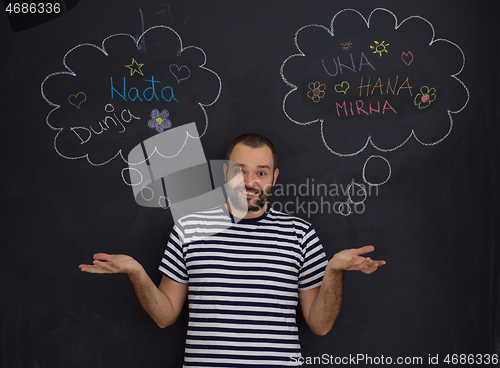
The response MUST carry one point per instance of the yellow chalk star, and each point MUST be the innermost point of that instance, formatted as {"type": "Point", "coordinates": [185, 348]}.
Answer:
{"type": "Point", "coordinates": [135, 67]}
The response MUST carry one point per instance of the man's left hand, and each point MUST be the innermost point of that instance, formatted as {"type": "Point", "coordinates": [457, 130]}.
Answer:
{"type": "Point", "coordinates": [351, 260]}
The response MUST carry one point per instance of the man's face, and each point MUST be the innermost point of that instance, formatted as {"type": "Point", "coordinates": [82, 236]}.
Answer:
{"type": "Point", "coordinates": [250, 175]}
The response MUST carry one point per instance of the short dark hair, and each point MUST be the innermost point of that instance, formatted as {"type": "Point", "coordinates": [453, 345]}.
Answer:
{"type": "Point", "coordinates": [255, 141]}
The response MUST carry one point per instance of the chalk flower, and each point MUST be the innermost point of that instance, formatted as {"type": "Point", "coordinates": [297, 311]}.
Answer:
{"type": "Point", "coordinates": [425, 97]}
{"type": "Point", "coordinates": [159, 120]}
{"type": "Point", "coordinates": [316, 91]}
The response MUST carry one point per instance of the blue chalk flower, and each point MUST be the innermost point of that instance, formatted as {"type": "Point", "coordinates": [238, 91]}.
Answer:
{"type": "Point", "coordinates": [159, 120]}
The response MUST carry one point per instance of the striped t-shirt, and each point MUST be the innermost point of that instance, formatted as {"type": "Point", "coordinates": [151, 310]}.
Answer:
{"type": "Point", "coordinates": [243, 281]}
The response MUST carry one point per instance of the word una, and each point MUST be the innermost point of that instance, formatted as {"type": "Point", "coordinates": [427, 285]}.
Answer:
{"type": "Point", "coordinates": [126, 116]}
{"type": "Point", "coordinates": [360, 109]}
{"type": "Point", "coordinates": [149, 93]}
{"type": "Point", "coordinates": [339, 65]}
{"type": "Point", "coordinates": [390, 87]}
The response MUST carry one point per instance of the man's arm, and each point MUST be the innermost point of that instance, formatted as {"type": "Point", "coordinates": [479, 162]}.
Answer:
{"type": "Point", "coordinates": [321, 305]}
{"type": "Point", "coordinates": [163, 303]}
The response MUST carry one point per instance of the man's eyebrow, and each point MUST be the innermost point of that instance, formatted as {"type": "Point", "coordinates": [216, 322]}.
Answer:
{"type": "Point", "coordinates": [243, 166]}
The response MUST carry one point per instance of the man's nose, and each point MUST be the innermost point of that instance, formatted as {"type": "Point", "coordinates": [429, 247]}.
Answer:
{"type": "Point", "coordinates": [251, 181]}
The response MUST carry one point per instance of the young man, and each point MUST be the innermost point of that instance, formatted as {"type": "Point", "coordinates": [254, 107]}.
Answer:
{"type": "Point", "coordinates": [244, 267]}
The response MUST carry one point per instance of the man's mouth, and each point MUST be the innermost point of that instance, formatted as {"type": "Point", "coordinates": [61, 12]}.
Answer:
{"type": "Point", "coordinates": [250, 193]}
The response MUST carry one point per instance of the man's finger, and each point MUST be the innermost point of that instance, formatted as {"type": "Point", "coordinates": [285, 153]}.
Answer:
{"type": "Point", "coordinates": [92, 269]}
{"type": "Point", "coordinates": [103, 256]}
{"type": "Point", "coordinates": [364, 250]}
{"type": "Point", "coordinates": [106, 266]}
{"type": "Point", "coordinates": [370, 270]}
{"type": "Point", "coordinates": [374, 266]}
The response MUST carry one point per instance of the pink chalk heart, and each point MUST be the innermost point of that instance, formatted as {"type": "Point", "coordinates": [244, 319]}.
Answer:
{"type": "Point", "coordinates": [78, 99]}
{"type": "Point", "coordinates": [407, 57]}
{"type": "Point", "coordinates": [180, 73]}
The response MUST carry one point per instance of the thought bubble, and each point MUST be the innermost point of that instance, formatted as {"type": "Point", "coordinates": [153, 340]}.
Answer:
{"type": "Point", "coordinates": [114, 96]}
{"type": "Point", "coordinates": [374, 82]}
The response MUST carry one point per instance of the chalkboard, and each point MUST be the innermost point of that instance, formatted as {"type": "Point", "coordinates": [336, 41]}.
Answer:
{"type": "Point", "coordinates": [385, 119]}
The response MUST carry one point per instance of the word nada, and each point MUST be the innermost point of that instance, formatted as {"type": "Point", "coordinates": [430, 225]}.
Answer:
{"type": "Point", "coordinates": [149, 94]}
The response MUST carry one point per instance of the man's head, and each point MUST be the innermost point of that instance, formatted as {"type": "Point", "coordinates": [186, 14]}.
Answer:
{"type": "Point", "coordinates": [252, 170]}
{"type": "Point", "coordinates": [253, 140]}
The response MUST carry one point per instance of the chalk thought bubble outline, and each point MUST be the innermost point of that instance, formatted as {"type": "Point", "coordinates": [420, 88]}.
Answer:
{"type": "Point", "coordinates": [369, 139]}
{"type": "Point", "coordinates": [103, 50]}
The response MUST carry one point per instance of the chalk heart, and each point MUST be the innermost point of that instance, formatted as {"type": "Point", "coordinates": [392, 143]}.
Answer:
{"type": "Point", "coordinates": [180, 73]}
{"type": "Point", "coordinates": [78, 99]}
{"type": "Point", "coordinates": [342, 87]}
{"type": "Point", "coordinates": [407, 57]}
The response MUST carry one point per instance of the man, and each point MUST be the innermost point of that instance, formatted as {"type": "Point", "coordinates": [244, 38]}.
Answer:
{"type": "Point", "coordinates": [244, 267]}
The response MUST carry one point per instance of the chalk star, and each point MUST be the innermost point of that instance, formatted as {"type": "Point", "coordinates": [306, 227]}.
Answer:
{"type": "Point", "coordinates": [135, 67]}
{"type": "Point", "coordinates": [346, 45]}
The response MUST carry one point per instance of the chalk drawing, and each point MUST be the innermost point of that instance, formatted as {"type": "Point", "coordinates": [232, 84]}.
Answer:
{"type": "Point", "coordinates": [342, 87]}
{"type": "Point", "coordinates": [159, 120]}
{"type": "Point", "coordinates": [374, 158]}
{"type": "Point", "coordinates": [135, 67]}
{"type": "Point", "coordinates": [379, 47]}
{"type": "Point", "coordinates": [407, 57]}
{"type": "Point", "coordinates": [180, 73]}
{"type": "Point", "coordinates": [402, 69]}
{"type": "Point", "coordinates": [78, 99]}
{"type": "Point", "coordinates": [425, 97]}
{"type": "Point", "coordinates": [316, 91]}
{"type": "Point", "coordinates": [346, 46]}
{"type": "Point", "coordinates": [99, 132]}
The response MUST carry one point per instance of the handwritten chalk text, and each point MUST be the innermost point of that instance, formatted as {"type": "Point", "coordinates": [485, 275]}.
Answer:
{"type": "Point", "coordinates": [84, 134]}
{"type": "Point", "coordinates": [148, 94]}
{"type": "Point", "coordinates": [339, 66]}
{"type": "Point", "coordinates": [359, 108]}
{"type": "Point", "coordinates": [393, 88]}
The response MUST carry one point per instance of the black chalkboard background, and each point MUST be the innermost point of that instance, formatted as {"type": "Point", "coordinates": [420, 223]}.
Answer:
{"type": "Point", "coordinates": [434, 221]}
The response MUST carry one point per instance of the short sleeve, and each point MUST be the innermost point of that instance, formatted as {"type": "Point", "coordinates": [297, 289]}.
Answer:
{"type": "Point", "coordinates": [173, 264]}
{"type": "Point", "coordinates": [315, 261]}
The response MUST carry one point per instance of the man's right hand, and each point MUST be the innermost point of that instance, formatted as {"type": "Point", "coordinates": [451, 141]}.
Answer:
{"type": "Point", "coordinates": [112, 263]}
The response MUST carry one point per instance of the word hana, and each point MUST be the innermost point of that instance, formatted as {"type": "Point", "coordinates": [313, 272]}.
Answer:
{"type": "Point", "coordinates": [390, 87]}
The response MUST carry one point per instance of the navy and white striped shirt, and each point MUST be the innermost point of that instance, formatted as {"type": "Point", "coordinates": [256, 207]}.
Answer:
{"type": "Point", "coordinates": [243, 281]}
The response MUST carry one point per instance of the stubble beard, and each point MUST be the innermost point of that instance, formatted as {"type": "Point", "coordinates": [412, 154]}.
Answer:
{"type": "Point", "coordinates": [248, 204]}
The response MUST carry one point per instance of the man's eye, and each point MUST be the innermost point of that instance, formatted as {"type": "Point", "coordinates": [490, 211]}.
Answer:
{"type": "Point", "coordinates": [262, 173]}
{"type": "Point", "coordinates": [239, 171]}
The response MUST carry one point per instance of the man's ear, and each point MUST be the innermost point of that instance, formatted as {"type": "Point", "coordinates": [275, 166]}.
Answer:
{"type": "Point", "coordinates": [276, 172]}
{"type": "Point", "coordinates": [224, 167]}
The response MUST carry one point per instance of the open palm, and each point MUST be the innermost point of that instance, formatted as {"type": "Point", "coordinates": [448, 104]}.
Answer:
{"type": "Point", "coordinates": [111, 263]}
{"type": "Point", "coordinates": [350, 260]}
